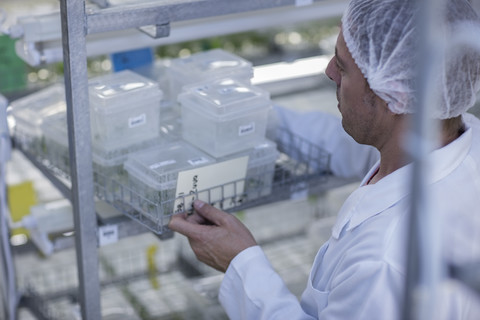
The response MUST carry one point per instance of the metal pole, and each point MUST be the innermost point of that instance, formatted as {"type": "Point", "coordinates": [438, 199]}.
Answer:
{"type": "Point", "coordinates": [7, 268]}
{"type": "Point", "coordinates": [78, 119]}
{"type": "Point", "coordinates": [424, 266]}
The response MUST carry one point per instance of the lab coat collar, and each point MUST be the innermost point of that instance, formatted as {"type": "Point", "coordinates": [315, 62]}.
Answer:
{"type": "Point", "coordinates": [370, 200]}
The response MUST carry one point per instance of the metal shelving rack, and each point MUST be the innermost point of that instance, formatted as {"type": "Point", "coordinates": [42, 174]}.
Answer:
{"type": "Point", "coordinates": [153, 18]}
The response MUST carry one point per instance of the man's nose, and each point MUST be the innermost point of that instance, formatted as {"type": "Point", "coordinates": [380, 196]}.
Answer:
{"type": "Point", "coordinates": [332, 72]}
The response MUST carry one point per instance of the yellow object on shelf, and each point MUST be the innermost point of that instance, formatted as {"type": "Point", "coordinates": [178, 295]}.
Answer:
{"type": "Point", "coordinates": [20, 198]}
{"type": "Point", "coordinates": [152, 266]}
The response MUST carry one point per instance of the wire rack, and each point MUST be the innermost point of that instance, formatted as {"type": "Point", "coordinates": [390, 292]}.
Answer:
{"type": "Point", "coordinates": [299, 166]}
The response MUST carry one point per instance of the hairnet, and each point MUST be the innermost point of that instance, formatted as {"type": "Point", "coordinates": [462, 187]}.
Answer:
{"type": "Point", "coordinates": [382, 38]}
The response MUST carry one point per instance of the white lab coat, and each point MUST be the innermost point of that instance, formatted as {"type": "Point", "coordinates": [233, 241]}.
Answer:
{"type": "Point", "coordinates": [359, 273]}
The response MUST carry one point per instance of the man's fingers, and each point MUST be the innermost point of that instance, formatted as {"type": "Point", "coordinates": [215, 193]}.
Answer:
{"type": "Point", "coordinates": [180, 224]}
{"type": "Point", "coordinates": [209, 212]}
{"type": "Point", "coordinates": [197, 218]}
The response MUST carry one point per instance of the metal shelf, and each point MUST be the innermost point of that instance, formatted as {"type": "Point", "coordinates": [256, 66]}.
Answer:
{"type": "Point", "coordinates": [301, 166]}
{"type": "Point", "coordinates": [78, 21]}
{"type": "Point", "coordinates": [43, 45]}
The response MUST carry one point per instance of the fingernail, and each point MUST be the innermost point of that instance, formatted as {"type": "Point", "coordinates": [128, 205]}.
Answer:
{"type": "Point", "coordinates": [198, 204]}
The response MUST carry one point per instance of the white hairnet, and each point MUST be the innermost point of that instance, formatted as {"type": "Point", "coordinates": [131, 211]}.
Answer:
{"type": "Point", "coordinates": [382, 36]}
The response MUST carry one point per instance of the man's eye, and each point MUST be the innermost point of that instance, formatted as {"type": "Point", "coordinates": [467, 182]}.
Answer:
{"type": "Point", "coordinates": [340, 69]}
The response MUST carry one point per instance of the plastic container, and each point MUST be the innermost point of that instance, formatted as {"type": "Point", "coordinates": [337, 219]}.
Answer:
{"type": "Point", "coordinates": [158, 72]}
{"type": "Point", "coordinates": [207, 65]}
{"type": "Point", "coordinates": [124, 109]}
{"type": "Point", "coordinates": [110, 163]}
{"type": "Point", "coordinates": [109, 175]}
{"type": "Point", "coordinates": [224, 116]}
{"type": "Point", "coordinates": [260, 169]}
{"type": "Point", "coordinates": [55, 141]}
{"type": "Point", "coordinates": [29, 113]}
{"type": "Point", "coordinates": [153, 176]}
{"type": "Point", "coordinates": [108, 172]}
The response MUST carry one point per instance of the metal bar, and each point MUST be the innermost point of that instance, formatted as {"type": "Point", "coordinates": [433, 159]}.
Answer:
{"type": "Point", "coordinates": [100, 3]}
{"type": "Point", "coordinates": [119, 18]}
{"type": "Point", "coordinates": [49, 51]}
{"type": "Point", "coordinates": [424, 265]}
{"type": "Point", "coordinates": [134, 16]}
{"type": "Point", "coordinates": [78, 119]}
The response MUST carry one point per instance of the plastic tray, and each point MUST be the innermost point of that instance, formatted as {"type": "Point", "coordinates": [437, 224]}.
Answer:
{"type": "Point", "coordinates": [260, 170]}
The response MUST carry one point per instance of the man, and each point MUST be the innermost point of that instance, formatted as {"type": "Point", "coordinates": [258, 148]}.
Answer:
{"type": "Point", "coordinates": [360, 272]}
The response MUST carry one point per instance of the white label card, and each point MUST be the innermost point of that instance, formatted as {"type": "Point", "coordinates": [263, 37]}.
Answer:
{"type": "Point", "coordinates": [220, 184]}
{"type": "Point", "coordinates": [107, 234]}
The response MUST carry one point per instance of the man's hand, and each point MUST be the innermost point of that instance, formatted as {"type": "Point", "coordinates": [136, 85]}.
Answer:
{"type": "Point", "coordinates": [215, 236]}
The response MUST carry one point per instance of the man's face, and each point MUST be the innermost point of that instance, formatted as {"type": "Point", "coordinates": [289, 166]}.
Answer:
{"type": "Point", "coordinates": [362, 111]}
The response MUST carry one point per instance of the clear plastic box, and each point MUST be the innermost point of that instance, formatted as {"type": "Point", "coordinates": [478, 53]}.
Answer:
{"type": "Point", "coordinates": [55, 141]}
{"type": "Point", "coordinates": [158, 72]}
{"type": "Point", "coordinates": [260, 169]}
{"type": "Point", "coordinates": [124, 109]}
{"type": "Point", "coordinates": [224, 116]}
{"type": "Point", "coordinates": [153, 175]}
{"type": "Point", "coordinates": [30, 111]}
{"type": "Point", "coordinates": [109, 174]}
{"type": "Point", "coordinates": [207, 65]}
{"type": "Point", "coordinates": [110, 163]}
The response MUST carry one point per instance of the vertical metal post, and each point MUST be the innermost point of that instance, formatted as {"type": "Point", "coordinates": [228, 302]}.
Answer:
{"type": "Point", "coordinates": [424, 268]}
{"type": "Point", "coordinates": [8, 291]}
{"type": "Point", "coordinates": [78, 119]}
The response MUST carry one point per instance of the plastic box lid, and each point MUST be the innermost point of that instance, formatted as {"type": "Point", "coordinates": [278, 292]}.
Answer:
{"type": "Point", "coordinates": [212, 63]}
{"type": "Point", "coordinates": [221, 97]}
{"type": "Point", "coordinates": [159, 166]}
{"type": "Point", "coordinates": [123, 89]}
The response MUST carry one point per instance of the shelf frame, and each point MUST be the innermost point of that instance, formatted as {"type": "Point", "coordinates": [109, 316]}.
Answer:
{"type": "Point", "coordinates": [81, 171]}
{"type": "Point", "coordinates": [151, 13]}
{"type": "Point", "coordinates": [78, 22]}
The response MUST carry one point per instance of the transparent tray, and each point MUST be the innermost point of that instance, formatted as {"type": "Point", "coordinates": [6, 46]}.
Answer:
{"type": "Point", "coordinates": [300, 166]}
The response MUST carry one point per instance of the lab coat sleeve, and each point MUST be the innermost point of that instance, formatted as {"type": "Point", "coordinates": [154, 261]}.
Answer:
{"type": "Point", "coordinates": [349, 159]}
{"type": "Point", "coordinates": [251, 289]}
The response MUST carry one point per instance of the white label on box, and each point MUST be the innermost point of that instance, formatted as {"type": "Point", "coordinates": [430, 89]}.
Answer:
{"type": "Point", "coordinates": [220, 184]}
{"type": "Point", "coordinates": [300, 3]}
{"type": "Point", "coordinates": [107, 234]}
{"type": "Point", "coordinates": [246, 129]}
{"type": "Point", "coordinates": [197, 161]}
{"type": "Point", "coordinates": [137, 121]}
{"type": "Point", "coordinates": [161, 164]}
